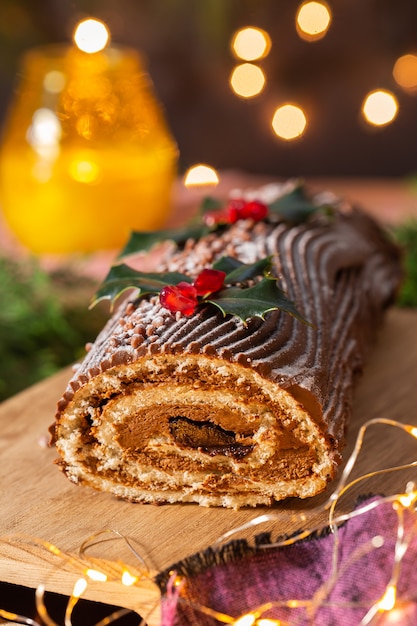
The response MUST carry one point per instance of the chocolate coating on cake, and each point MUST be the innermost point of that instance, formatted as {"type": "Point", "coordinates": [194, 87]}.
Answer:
{"type": "Point", "coordinates": [208, 409]}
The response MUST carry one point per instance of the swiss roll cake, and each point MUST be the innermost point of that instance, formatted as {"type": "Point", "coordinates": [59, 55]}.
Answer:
{"type": "Point", "coordinates": [226, 376]}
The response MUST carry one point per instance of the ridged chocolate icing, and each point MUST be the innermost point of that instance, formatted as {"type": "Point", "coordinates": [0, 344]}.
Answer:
{"type": "Point", "coordinates": [341, 274]}
{"type": "Point", "coordinates": [341, 271]}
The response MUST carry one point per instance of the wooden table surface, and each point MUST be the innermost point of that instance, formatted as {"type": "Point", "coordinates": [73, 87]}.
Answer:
{"type": "Point", "coordinates": [38, 503]}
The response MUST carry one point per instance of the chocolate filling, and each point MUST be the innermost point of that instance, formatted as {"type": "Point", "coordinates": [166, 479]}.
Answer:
{"type": "Point", "coordinates": [207, 437]}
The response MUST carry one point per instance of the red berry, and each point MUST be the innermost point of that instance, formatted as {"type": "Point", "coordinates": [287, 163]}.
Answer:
{"type": "Point", "coordinates": [234, 210]}
{"type": "Point", "coordinates": [237, 209]}
{"type": "Point", "coordinates": [211, 218]}
{"type": "Point", "coordinates": [255, 210]}
{"type": "Point", "coordinates": [187, 290]}
{"type": "Point", "coordinates": [209, 281]}
{"type": "Point", "coordinates": [181, 297]}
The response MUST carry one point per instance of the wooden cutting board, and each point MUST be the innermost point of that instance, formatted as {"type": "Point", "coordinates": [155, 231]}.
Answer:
{"type": "Point", "coordinates": [38, 504]}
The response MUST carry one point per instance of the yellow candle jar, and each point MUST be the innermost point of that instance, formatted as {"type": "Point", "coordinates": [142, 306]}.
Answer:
{"type": "Point", "coordinates": [86, 155]}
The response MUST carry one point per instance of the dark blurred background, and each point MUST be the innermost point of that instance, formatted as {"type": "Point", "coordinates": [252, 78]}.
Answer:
{"type": "Point", "coordinates": [186, 44]}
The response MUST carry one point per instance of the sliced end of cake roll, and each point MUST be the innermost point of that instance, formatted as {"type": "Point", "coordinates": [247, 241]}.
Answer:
{"type": "Point", "coordinates": [193, 428]}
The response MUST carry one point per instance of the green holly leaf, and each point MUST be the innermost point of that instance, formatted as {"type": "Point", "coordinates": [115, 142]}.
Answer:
{"type": "Point", "coordinates": [295, 207]}
{"type": "Point", "coordinates": [238, 272]}
{"type": "Point", "coordinates": [145, 241]}
{"type": "Point", "coordinates": [240, 301]}
{"type": "Point", "coordinates": [122, 277]}
{"type": "Point", "coordinates": [210, 204]}
{"type": "Point", "coordinates": [255, 301]}
{"type": "Point", "coordinates": [227, 264]}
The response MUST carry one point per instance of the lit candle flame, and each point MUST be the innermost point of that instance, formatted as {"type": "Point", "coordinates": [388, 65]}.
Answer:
{"type": "Point", "coordinates": [91, 35]}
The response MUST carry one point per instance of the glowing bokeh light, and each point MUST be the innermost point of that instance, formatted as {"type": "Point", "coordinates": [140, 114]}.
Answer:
{"type": "Point", "coordinates": [128, 579]}
{"type": "Point", "coordinates": [54, 81]}
{"type": "Point", "coordinates": [407, 499]}
{"type": "Point", "coordinates": [247, 80]}
{"type": "Point", "coordinates": [289, 122]}
{"type": "Point", "coordinates": [45, 130]}
{"type": "Point", "coordinates": [313, 20]}
{"type": "Point", "coordinates": [79, 587]}
{"type": "Point", "coordinates": [251, 44]}
{"type": "Point", "coordinates": [387, 602]}
{"type": "Point", "coordinates": [380, 107]}
{"type": "Point", "coordinates": [405, 72]}
{"type": "Point", "coordinates": [84, 171]}
{"type": "Point", "coordinates": [96, 575]}
{"type": "Point", "coordinates": [91, 35]}
{"type": "Point", "coordinates": [400, 615]}
{"type": "Point", "coordinates": [245, 620]}
{"type": "Point", "coordinates": [200, 175]}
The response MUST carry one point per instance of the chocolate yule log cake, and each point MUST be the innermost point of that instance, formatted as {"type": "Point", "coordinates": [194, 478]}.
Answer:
{"type": "Point", "coordinates": [225, 377]}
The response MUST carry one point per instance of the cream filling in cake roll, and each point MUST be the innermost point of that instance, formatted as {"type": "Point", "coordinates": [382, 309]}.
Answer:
{"type": "Point", "coordinates": [193, 429]}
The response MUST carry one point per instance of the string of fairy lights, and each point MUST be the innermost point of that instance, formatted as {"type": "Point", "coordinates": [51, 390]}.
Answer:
{"type": "Point", "coordinates": [389, 608]}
